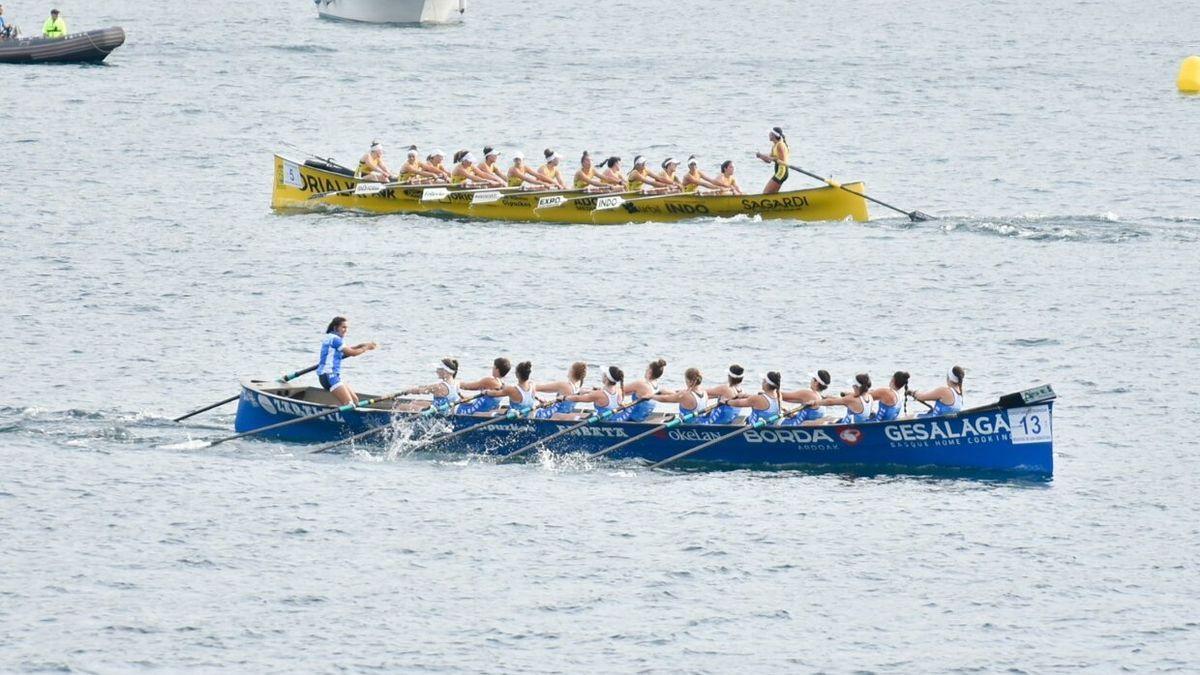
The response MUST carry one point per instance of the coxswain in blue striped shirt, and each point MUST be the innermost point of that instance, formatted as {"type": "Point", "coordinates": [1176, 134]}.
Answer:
{"type": "Point", "coordinates": [333, 350]}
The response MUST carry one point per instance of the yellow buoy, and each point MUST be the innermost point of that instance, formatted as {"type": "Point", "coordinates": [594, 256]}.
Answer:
{"type": "Point", "coordinates": [1189, 75]}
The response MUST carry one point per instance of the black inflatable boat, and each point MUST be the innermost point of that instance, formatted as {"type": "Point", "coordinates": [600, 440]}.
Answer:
{"type": "Point", "coordinates": [90, 47]}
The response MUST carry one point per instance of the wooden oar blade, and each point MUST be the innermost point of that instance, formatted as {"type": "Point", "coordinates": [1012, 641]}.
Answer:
{"type": "Point", "coordinates": [434, 194]}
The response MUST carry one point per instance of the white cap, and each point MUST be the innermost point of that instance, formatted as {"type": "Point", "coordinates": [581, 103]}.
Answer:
{"type": "Point", "coordinates": [437, 153]}
{"type": "Point", "coordinates": [412, 151]}
{"type": "Point", "coordinates": [552, 158]}
{"type": "Point", "coordinates": [639, 160]}
{"type": "Point", "coordinates": [492, 151]}
{"type": "Point", "coordinates": [467, 158]}
{"type": "Point", "coordinates": [376, 145]}
{"type": "Point", "coordinates": [518, 155]}
{"type": "Point", "coordinates": [692, 160]}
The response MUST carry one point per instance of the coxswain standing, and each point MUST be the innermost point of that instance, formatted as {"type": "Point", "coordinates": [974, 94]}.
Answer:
{"type": "Point", "coordinates": [333, 350]}
{"type": "Point", "coordinates": [780, 156]}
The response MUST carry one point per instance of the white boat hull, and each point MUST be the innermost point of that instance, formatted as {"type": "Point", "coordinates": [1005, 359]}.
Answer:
{"type": "Point", "coordinates": [392, 11]}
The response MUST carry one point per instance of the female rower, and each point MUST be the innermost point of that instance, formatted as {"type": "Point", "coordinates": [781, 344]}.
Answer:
{"type": "Point", "coordinates": [550, 171]}
{"type": "Point", "coordinates": [608, 397]}
{"type": "Point", "coordinates": [818, 382]}
{"type": "Point", "coordinates": [765, 404]}
{"type": "Point", "coordinates": [693, 400]}
{"type": "Point", "coordinates": [857, 401]}
{"type": "Point", "coordinates": [643, 392]}
{"type": "Point", "coordinates": [947, 399]}
{"type": "Point", "coordinates": [500, 368]}
{"type": "Point", "coordinates": [695, 179]}
{"type": "Point", "coordinates": [333, 350]}
{"type": "Point", "coordinates": [725, 180]}
{"type": "Point", "coordinates": [586, 177]}
{"type": "Point", "coordinates": [488, 169]}
{"type": "Point", "coordinates": [725, 413]}
{"type": "Point", "coordinates": [371, 166]}
{"type": "Point", "coordinates": [464, 172]}
{"type": "Point", "coordinates": [562, 389]}
{"type": "Point", "coordinates": [413, 170]}
{"type": "Point", "coordinates": [890, 399]}
{"type": "Point", "coordinates": [433, 165]}
{"type": "Point", "coordinates": [519, 174]}
{"type": "Point", "coordinates": [444, 392]}
{"type": "Point", "coordinates": [780, 156]}
{"type": "Point", "coordinates": [667, 179]}
{"type": "Point", "coordinates": [522, 396]}
{"type": "Point", "coordinates": [642, 179]}
{"type": "Point", "coordinates": [610, 173]}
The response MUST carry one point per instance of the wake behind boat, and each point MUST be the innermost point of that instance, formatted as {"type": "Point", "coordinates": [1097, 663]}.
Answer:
{"type": "Point", "coordinates": [1011, 435]}
{"type": "Point", "coordinates": [92, 46]}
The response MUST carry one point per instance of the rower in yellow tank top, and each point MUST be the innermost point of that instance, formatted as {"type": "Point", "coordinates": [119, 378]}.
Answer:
{"type": "Point", "coordinates": [585, 177]}
{"type": "Point", "coordinates": [695, 178]}
{"type": "Point", "coordinates": [667, 178]}
{"type": "Point", "coordinates": [549, 171]}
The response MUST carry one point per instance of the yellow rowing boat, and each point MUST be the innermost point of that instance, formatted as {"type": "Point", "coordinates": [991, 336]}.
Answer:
{"type": "Point", "coordinates": [303, 186]}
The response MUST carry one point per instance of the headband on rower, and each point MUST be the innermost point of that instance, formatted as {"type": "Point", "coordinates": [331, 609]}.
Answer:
{"type": "Point", "coordinates": [552, 158]}
{"type": "Point", "coordinates": [952, 377]}
{"type": "Point", "coordinates": [467, 158]}
{"type": "Point", "coordinates": [734, 375]}
{"type": "Point", "coordinates": [668, 161]}
{"type": "Point", "coordinates": [376, 145]}
{"type": "Point", "coordinates": [817, 376]}
{"type": "Point", "coordinates": [437, 153]}
{"type": "Point", "coordinates": [639, 160]}
{"type": "Point", "coordinates": [412, 151]}
{"type": "Point", "coordinates": [609, 376]}
{"type": "Point", "coordinates": [692, 161]}
{"type": "Point", "coordinates": [441, 365]}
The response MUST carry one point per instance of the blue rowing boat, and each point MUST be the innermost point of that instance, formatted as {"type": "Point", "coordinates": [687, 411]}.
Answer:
{"type": "Point", "coordinates": [1012, 435]}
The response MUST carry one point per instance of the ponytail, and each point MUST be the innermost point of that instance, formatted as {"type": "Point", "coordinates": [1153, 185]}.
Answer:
{"type": "Point", "coordinates": [657, 367]}
{"type": "Point", "coordinates": [524, 369]}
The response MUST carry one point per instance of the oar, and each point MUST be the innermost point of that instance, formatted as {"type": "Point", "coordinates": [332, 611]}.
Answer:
{"type": "Point", "coordinates": [553, 202]}
{"type": "Point", "coordinates": [915, 216]}
{"type": "Point", "coordinates": [679, 419]}
{"type": "Point", "coordinates": [510, 415]}
{"type": "Point", "coordinates": [591, 419]}
{"type": "Point", "coordinates": [489, 196]}
{"type": "Point", "coordinates": [278, 425]}
{"type": "Point", "coordinates": [281, 380]}
{"type": "Point", "coordinates": [372, 188]}
{"type": "Point", "coordinates": [777, 417]}
{"type": "Point", "coordinates": [610, 203]}
{"type": "Point", "coordinates": [379, 429]}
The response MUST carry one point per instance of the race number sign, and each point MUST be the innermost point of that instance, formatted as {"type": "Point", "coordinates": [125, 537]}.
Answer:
{"type": "Point", "coordinates": [1030, 425]}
